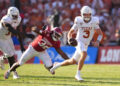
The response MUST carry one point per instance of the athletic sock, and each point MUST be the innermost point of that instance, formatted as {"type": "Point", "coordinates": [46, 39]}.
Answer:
{"type": "Point", "coordinates": [57, 66]}
{"type": "Point", "coordinates": [78, 72]}
{"type": "Point", "coordinates": [11, 61]}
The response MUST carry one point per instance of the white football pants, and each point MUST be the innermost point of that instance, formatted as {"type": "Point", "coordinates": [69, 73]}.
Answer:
{"type": "Point", "coordinates": [7, 47]}
{"type": "Point", "coordinates": [31, 52]}
{"type": "Point", "coordinates": [79, 48]}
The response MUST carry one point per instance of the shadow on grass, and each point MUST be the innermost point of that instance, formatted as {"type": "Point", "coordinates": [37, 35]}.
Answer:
{"type": "Point", "coordinates": [71, 79]}
{"type": "Point", "coordinates": [103, 80]}
{"type": "Point", "coordinates": [44, 81]}
{"type": "Point", "coordinates": [61, 81]}
{"type": "Point", "coordinates": [50, 78]}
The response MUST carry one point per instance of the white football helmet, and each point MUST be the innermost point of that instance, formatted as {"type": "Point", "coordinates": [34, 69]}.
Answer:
{"type": "Point", "coordinates": [86, 13]}
{"type": "Point", "coordinates": [13, 12]}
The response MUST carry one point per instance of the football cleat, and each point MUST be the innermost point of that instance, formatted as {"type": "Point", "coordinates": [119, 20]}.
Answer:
{"type": "Point", "coordinates": [78, 77]}
{"type": "Point", "coordinates": [6, 75]}
{"type": "Point", "coordinates": [52, 71]}
{"type": "Point", "coordinates": [48, 68]}
{"type": "Point", "coordinates": [15, 75]}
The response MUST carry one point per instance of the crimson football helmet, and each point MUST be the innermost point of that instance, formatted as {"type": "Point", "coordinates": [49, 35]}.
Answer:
{"type": "Point", "coordinates": [56, 33]}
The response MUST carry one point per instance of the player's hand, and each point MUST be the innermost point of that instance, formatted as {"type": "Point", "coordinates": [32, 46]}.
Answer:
{"type": "Point", "coordinates": [22, 49]}
{"type": "Point", "coordinates": [72, 42]}
{"type": "Point", "coordinates": [96, 44]}
{"type": "Point", "coordinates": [35, 29]}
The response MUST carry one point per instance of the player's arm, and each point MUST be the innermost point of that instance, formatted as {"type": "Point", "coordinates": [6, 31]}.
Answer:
{"type": "Point", "coordinates": [37, 30]}
{"type": "Point", "coordinates": [71, 41]}
{"type": "Point", "coordinates": [10, 28]}
{"type": "Point", "coordinates": [70, 33]}
{"type": "Point", "coordinates": [99, 38]}
{"type": "Point", "coordinates": [64, 56]}
{"type": "Point", "coordinates": [16, 32]}
{"type": "Point", "coordinates": [20, 38]}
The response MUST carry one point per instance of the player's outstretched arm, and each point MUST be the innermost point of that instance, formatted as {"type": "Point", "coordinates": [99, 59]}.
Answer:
{"type": "Point", "coordinates": [21, 42]}
{"type": "Point", "coordinates": [64, 56]}
{"type": "Point", "coordinates": [36, 30]}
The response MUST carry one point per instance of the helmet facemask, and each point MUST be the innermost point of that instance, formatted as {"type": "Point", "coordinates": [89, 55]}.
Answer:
{"type": "Point", "coordinates": [87, 16]}
{"type": "Point", "coordinates": [14, 17]}
{"type": "Point", "coordinates": [56, 34]}
{"type": "Point", "coordinates": [86, 13]}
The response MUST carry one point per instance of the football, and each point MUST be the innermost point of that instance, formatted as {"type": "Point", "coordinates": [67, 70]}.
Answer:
{"type": "Point", "coordinates": [72, 42]}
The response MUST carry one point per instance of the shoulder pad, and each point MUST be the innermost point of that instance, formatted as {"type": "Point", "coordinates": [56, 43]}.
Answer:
{"type": "Point", "coordinates": [78, 19]}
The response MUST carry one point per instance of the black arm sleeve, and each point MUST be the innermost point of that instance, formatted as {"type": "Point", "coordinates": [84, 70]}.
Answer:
{"type": "Point", "coordinates": [11, 29]}
{"type": "Point", "coordinates": [16, 32]}
{"type": "Point", "coordinates": [44, 27]}
{"type": "Point", "coordinates": [20, 41]}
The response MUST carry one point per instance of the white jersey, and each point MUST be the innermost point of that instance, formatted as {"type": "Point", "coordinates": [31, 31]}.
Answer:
{"type": "Point", "coordinates": [6, 19]}
{"type": "Point", "coordinates": [85, 31]}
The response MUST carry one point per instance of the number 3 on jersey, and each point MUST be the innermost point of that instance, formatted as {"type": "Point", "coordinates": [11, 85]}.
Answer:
{"type": "Point", "coordinates": [87, 34]}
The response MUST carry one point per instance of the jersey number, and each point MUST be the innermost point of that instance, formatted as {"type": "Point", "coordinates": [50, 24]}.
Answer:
{"type": "Point", "coordinates": [43, 44]}
{"type": "Point", "coordinates": [87, 34]}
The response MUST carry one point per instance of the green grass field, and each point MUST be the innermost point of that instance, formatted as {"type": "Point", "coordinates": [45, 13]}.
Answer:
{"type": "Point", "coordinates": [37, 75]}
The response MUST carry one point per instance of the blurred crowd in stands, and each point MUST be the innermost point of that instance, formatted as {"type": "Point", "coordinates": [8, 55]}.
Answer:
{"type": "Point", "coordinates": [41, 12]}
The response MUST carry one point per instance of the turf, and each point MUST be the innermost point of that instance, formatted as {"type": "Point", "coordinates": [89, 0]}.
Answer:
{"type": "Point", "coordinates": [37, 75]}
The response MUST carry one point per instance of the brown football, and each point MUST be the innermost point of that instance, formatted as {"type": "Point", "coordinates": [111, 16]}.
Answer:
{"type": "Point", "coordinates": [73, 42]}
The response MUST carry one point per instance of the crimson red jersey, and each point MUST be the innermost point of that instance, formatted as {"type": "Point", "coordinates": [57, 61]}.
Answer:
{"type": "Point", "coordinates": [45, 41]}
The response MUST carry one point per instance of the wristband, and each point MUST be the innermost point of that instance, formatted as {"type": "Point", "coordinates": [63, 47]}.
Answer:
{"type": "Point", "coordinates": [99, 37]}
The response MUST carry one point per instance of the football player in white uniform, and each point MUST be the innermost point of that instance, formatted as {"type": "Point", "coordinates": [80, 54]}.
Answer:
{"type": "Point", "coordinates": [8, 25]}
{"type": "Point", "coordinates": [85, 26]}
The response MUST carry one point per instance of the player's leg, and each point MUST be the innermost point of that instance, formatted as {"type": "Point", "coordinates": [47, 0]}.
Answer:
{"type": "Point", "coordinates": [29, 53]}
{"type": "Point", "coordinates": [80, 65]}
{"type": "Point", "coordinates": [82, 59]}
{"type": "Point", "coordinates": [46, 60]}
{"type": "Point", "coordinates": [71, 61]}
{"type": "Point", "coordinates": [83, 54]}
{"type": "Point", "coordinates": [7, 47]}
{"type": "Point", "coordinates": [2, 62]}
{"type": "Point", "coordinates": [11, 61]}
{"type": "Point", "coordinates": [2, 44]}
{"type": "Point", "coordinates": [10, 52]}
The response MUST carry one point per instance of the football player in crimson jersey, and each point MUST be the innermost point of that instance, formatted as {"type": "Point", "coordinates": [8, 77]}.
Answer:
{"type": "Point", "coordinates": [47, 38]}
{"type": "Point", "coordinates": [85, 26]}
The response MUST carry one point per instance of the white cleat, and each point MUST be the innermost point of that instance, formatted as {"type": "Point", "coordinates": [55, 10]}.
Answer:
{"type": "Point", "coordinates": [15, 75]}
{"type": "Point", "coordinates": [78, 78]}
{"type": "Point", "coordinates": [57, 65]}
{"type": "Point", "coordinates": [2, 63]}
{"type": "Point", "coordinates": [52, 71]}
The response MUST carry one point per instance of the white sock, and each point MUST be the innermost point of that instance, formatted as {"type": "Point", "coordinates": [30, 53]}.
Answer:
{"type": "Point", "coordinates": [78, 72]}
{"type": "Point", "coordinates": [8, 70]}
{"type": "Point", "coordinates": [56, 66]}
